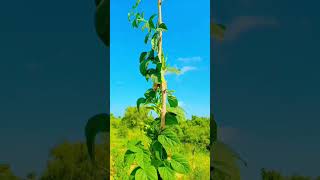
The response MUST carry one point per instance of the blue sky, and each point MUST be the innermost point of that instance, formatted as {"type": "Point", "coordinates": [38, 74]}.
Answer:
{"type": "Point", "coordinates": [186, 44]}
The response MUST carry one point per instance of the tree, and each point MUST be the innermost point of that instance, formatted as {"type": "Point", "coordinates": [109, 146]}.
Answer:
{"type": "Point", "coordinates": [6, 173]}
{"type": "Point", "coordinates": [196, 131]}
{"type": "Point", "coordinates": [70, 161]}
{"type": "Point", "coordinates": [136, 119]}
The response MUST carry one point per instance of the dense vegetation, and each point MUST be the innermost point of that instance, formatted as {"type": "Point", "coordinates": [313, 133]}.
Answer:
{"type": "Point", "coordinates": [194, 135]}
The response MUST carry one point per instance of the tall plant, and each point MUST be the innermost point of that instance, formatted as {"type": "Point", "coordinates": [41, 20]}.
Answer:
{"type": "Point", "coordinates": [157, 159]}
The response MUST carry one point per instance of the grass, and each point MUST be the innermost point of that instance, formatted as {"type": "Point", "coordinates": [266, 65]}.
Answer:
{"type": "Point", "coordinates": [199, 160]}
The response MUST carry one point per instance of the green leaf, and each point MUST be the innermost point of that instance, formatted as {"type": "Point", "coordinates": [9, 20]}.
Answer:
{"type": "Point", "coordinates": [162, 27]}
{"type": "Point", "coordinates": [158, 150]}
{"type": "Point", "coordinates": [180, 164]}
{"type": "Point", "coordinates": [133, 173]}
{"type": "Point", "coordinates": [168, 139]}
{"type": "Point", "coordinates": [140, 101]}
{"type": "Point", "coordinates": [136, 4]}
{"type": "Point", "coordinates": [172, 101]}
{"type": "Point", "coordinates": [129, 157]}
{"type": "Point", "coordinates": [151, 24]}
{"type": "Point", "coordinates": [171, 119]}
{"type": "Point", "coordinates": [159, 65]}
{"type": "Point", "coordinates": [156, 163]}
{"type": "Point", "coordinates": [143, 66]}
{"type": "Point", "coordinates": [134, 148]}
{"type": "Point", "coordinates": [151, 55]}
{"type": "Point", "coordinates": [166, 173]}
{"type": "Point", "coordinates": [150, 93]}
{"type": "Point", "coordinates": [96, 124]}
{"type": "Point", "coordinates": [147, 38]}
{"type": "Point", "coordinates": [142, 159]}
{"type": "Point", "coordinates": [147, 173]}
{"type": "Point", "coordinates": [143, 56]}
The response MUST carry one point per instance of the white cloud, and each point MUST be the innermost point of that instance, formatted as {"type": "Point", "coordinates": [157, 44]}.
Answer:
{"type": "Point", "coordinates": [186, 69]}
{"type": "Point", "coordinates": [190, 59]}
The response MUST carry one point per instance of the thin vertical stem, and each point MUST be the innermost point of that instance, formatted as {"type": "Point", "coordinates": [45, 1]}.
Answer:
{"type": "Point", "coordinates": [163, 81]}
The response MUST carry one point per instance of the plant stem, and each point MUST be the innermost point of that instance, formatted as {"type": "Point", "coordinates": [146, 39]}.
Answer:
{"type": "Point", "coordinates": [163, 81]}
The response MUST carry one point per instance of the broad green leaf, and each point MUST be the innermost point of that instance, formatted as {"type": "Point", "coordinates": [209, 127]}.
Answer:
{"type": "Point", "coordinates": [162, 27]}
{"type": "Point", "coordinates": [171, 119]}
{"type": "Point", "coordinates": [142, 159]}
{"type": "Point", "coordinates": [168, 139]}
{"type": "Point", "coordinates": [158, 150]}
{"type": "Point", "coordinates": [96, 124]}
{"type": "Point", "coordinates": [134, 148]}
{"type": "Point", "coordinates": [180, 164]}
{"type": "Point", "coordinates": [151, 24]}
{"type": "Point", "coordinates": [166, 173]}
{"type": "Point", "coordinates": [129, 157]}
{"type": "Point", "coordinates": [172, 101]}
{"type": "Point", "coordinates": [143, 66]}
{"type": "Point", "coordinates": [140, 101]}
{"type": "Point", "coordinates": [133, 173]}
{"type": "Point", "coordinates": [147, 173]}
{"type": "Point", "coordinates": [143, 56]}
{"type": "Point", "coordinates": [156, 163]}
{"type": "Point", "coordinates": [218, 30]}
{"type": "Point", "coordinates": [146, 38]}
{"type": "Point", "coordinates": [134, 23]}
{"type": "Point", "coordinates": [150, 93]}
{"type": "Point", "coordinates": [159, 65]}
{"type": "Point", "coordinates": [151, 55]}
{"type": "Point", "coordinates": [102, 20]}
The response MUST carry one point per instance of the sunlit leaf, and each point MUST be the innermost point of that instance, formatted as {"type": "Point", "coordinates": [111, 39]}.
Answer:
{"type": "Point", "coordinates": [180, 164]}
{"type": "Point", "coordinates": [147, 173]}
{"type": "Point", "coordinates": [166, 173]}
{"type": "Point", "coordinates": [168, 139]}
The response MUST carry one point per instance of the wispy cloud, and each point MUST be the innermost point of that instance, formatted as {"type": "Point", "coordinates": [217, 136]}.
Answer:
{"type": "Point", "coordinates": [190, 59]}
{"type": "Point", "coordinates": [186, 69]}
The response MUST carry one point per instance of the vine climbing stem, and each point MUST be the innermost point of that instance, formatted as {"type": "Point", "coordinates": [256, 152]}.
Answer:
{"type": "Point", "coordinates": [163, 81]}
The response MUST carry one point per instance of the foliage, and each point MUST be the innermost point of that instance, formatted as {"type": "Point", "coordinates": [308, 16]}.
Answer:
{"type": "Point", "coordinates": [6, 173]}
{"type": "Point", "coordinates": [71, 161]}
{"type": "Point", "coordinates": [136, 119]}
{"type": "Point", "coordinates": [275, 175]}
{"type": "Point", "coordinates": [158, 158]}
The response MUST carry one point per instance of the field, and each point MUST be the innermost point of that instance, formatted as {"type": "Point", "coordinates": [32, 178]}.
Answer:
{"type": "Point", "coordinates": [194, 142]}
